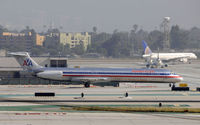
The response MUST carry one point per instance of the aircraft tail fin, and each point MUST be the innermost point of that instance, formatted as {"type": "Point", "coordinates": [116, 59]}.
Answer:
{"type": "Point", "coordinates": [25, 61]}
{"type": "Point", "coordinates": [147, 50]}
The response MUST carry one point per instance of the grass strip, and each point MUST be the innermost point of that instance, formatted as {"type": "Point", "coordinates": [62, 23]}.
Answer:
{"type": "Point", "coordinates": [135, 109]}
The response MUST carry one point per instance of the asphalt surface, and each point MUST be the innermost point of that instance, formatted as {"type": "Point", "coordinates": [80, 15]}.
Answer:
{"type": "Point", "coordinates": [96, 101]}
{"type": "Point", "coordinates": [16, 100]}
{"type": "Point", "coordinates": [97, 118]}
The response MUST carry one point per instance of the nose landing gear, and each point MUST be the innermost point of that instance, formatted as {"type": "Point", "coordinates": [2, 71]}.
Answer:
{"type": "Point", "coordinates": [87, 85]}
{"type": "Point", "coordinates": [172, 85]}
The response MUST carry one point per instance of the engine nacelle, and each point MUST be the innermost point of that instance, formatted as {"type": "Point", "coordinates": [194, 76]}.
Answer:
{"type": "Point", "coordinates": [54, 75]}
{"type": "Point", "coordinates": [184, 60]}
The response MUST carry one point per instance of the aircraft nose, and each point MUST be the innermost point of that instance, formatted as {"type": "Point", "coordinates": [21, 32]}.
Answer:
{"type": "Point", "coordinates": [194, 56]}
{"type": "Point", "coordinates": [179, 79]}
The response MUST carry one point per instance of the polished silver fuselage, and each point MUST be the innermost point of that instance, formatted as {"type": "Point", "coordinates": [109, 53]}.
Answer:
{"type": "Point", "coordinates": [109, 75]}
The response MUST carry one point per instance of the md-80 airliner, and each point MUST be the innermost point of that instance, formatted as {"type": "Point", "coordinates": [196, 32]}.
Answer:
{"type": "Point", "coordinates": [96, 75]}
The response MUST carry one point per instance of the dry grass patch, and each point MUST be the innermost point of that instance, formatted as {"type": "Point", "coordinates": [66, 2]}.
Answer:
{"type": "Point", "coordinates": [135, 109]}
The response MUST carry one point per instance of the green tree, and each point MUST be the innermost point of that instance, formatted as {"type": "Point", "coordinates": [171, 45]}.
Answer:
{"type": "Point", "coordinates": [140, 35]}
{"type": "Point", "coordinates": [179, 38]}
{"type": "Point", "coordinates": [135, 28]}
{"type": "Point", "coordinates": [37, 50]}
{"type": "Point", "coordinates": [2, 29]}
{"type": "Point", "coordinates": [97, 42]}
{"type": "Point", "coordinates": [79, 49]}
{"type": "Point", "coordinates": [94, 30]}
{"type": "Point", "coordinates": [118, 45]}
{"type": "Point", "coordinates": [194, 37]}
{"type": "Point", "coordinates": [155, 39]}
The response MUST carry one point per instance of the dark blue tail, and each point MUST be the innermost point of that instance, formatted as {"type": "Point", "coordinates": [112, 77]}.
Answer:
{"type": "Point", "coordinates": [147, 50]}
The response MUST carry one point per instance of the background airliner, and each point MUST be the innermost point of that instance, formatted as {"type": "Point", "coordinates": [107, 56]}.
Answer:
{"type": "Point", "coordinates": [157, 59]}
{"type": "Point", "coordinates": [96, 75]}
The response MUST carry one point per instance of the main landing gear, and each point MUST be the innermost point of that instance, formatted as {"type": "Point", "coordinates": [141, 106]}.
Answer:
{"type": "Point", "coordinates": [87, 85]}
{"type": "Point", "coordinates": [172, 85]}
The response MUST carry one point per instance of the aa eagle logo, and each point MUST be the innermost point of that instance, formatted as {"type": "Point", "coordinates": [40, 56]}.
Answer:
{"type": "Point", "coordinates": [27, 62]}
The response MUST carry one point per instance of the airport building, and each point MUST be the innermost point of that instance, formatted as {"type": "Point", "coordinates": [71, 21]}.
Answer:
{"type": "Point", "coordinates": [74, 39]}
{"type": "Point", "coordinates": [40, 39]}
{"type": "Point", "coordinates": [25, 40]}
{"type": "Point", "coordinates": [51, 39]}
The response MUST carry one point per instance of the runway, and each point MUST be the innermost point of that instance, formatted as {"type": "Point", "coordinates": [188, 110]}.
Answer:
{"type": "Point", "coordinates": [19, 94]}
{"type": "Point", "coordinates": [97, 118]}
{"type": "Point", "coordinates": [95, 101]}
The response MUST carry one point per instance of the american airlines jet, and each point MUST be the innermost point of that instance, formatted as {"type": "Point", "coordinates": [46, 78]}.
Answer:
{"type": "Point", "coordinates": [157, 59]}
{"type": "Point", "coordinates": [96, 75]}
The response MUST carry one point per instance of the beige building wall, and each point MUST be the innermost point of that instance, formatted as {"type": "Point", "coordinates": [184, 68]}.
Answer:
{"type": "Point", "coordinates": [12, 34]}
{"type": "Point", "coordinates": [74, 39]}
{"type": "Point", "coordinates": [39, 40]}
{"type": "Point", "coordinates": [63, 38]}
{"type": "Point", "coordinates": [3, 52]}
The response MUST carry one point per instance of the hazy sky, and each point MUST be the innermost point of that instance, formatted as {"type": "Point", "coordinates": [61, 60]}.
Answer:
{"type": "Point", "coordinates": [106, 15]}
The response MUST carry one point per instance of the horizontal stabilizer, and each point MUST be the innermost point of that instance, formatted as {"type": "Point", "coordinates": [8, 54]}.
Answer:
{"type": "Point", "coordinates": [19, 54]}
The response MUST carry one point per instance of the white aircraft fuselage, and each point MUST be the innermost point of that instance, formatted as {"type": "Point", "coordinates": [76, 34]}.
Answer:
{"type": "Point", "coordinates": [171, 56]}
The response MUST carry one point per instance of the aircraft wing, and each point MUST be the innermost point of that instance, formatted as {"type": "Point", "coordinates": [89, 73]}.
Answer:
{"type": "Point", "coordinates": [146, 56]}
{"type": "Point", "coordinates": [90, 79]}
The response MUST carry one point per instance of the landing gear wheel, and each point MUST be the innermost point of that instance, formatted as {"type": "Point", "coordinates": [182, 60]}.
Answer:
{"type": "Point", "coordinates": [116, 85]}
{"type": "Point", "coordinates": [173, 85]}
{"type": "Point", "coordinates": [87, 85]}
